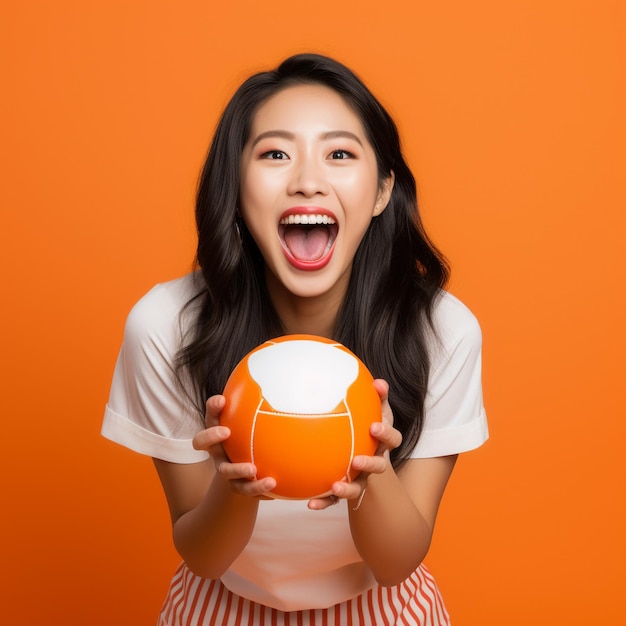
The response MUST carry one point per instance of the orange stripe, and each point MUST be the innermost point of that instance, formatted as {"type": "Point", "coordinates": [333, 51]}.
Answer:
{"type": "Point", "coordinates": [251, 621]}
{"type": "Point", "coordinates": [194, 603]}
{"type": "Point", "coordinates": [391, 604]}
{"type": "Point", "coordinates": [361, 614]}
{"type": "Point", "coordinates": [438, 607]}
{"type": "Point", "coordinates": [239, 615]}
{"type": "Point", "coordinates": [432, 601]}
{"type": "Point", "coordinates": [178, 598]}
{"type": "Point", "coordinates": [442, 613]}
{"type": "Point", "coordinates": [414, 592]}
{"type": "Point", "coordinates": [229, 602]}
{"type": "Point", "coordinates": [370, 605]}
{"type": "Point", "coordinates": [207, 599]}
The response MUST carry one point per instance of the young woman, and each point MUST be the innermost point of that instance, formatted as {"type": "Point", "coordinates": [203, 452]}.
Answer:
{"type": "Point", "coordinates": [304, 143]}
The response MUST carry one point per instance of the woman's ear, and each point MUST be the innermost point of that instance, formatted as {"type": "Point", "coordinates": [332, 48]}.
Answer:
{"type": "Point", "coordinates": [384, 194]}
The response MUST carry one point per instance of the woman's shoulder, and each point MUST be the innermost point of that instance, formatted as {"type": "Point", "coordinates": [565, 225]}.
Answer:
{"type": "Point", "coordinates": [456, 329]}
{"type": "Point", "coordinates": [163, 310]}
{"type": "Point", "coordinates": [169, 296]}
{"type": "Point", "coordinates": [451, 317]}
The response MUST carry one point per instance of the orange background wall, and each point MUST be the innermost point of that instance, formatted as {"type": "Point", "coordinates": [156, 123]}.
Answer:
{"type": "Point", "coordinates": [512, 115]}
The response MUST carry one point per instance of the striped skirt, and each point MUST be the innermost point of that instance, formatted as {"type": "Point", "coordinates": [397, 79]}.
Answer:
{"type": "Point", "coordinates": [195, 601]}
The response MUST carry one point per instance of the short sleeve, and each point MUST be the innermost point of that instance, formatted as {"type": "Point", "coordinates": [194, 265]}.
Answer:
{"type": "Point", "coordinates": [455, 420]}
{"type": "Point", "coordinates": [148, 410]}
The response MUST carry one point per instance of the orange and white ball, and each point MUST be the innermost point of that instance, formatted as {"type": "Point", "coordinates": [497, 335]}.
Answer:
{"type": "Point", "coordinates": [300, 407]}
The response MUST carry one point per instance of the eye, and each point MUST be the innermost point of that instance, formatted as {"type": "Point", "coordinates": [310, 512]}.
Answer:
{"type": "Point", "coordinates": [274, 155]}
{"type": "Point", "coordinates": [340, 155]}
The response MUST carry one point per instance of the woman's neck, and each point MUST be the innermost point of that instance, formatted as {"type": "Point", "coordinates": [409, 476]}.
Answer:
{"type": "Point", "coordinates": [311, 316]}
{"type": "Point", "coordinates": [307, 319]}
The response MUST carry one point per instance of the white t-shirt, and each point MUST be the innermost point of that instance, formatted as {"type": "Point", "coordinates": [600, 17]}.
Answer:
{"type": "Point", "coordinates": [297, 558]}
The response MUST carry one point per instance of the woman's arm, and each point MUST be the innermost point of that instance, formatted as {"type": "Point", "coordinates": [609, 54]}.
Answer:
{"type": "Point", "coordinates": [213, 512]}
{"type": "Point", "coordinates": [393, 525]}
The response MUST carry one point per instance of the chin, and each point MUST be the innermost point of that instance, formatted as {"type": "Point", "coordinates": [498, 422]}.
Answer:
{"type": "Point", "coordinates": [318, 284]}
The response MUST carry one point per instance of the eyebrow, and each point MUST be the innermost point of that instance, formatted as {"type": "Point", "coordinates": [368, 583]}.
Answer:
{"type": "Point", "coordinates": [285, 134]}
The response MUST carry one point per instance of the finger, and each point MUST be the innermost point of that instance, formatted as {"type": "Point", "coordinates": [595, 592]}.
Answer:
{"type": "Point", "coordinates": [241, 478]}
{"type": "Point", "coordinates": [209, 437]}
{"type": "Point", "coordinates": [235, 471]}
{"type": "Point", "coordinates": [214, 406]}
{"type": "Point", "coordinates": [253, 488]}
{"type": "Point", "coordinates": [319, 504]}
{"type": "Point", "coordinates": [386, 434]}
{"type": "Point", "coordinates": [349, 490]}
{"type": "Point", "coordinates": [382, 387]}
{"type": "Point", "coordinates": [370, 464]}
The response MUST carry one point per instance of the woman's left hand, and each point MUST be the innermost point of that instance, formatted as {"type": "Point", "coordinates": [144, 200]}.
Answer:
{"type": "Point", "coordinates": [388, 439]}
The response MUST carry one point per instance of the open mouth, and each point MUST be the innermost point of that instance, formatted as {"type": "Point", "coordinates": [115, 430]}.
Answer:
{"type": "Point", "coordinates": [308, 238]}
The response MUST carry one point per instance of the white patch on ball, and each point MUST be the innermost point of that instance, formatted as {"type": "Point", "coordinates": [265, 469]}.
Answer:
{"type": "Point", "coordinates": [302, 376]}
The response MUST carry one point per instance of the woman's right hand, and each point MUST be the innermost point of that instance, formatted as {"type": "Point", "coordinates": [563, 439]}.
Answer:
{"type": "Point", "coordinates": [240, 476]}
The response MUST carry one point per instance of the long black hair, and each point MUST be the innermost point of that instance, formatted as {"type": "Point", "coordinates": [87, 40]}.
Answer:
{"type": "Point", "coordinates": [396, 276]}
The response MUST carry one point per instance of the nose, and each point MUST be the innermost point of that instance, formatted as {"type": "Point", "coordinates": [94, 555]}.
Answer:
{"type": "Point", "coordinates": [307, 179]}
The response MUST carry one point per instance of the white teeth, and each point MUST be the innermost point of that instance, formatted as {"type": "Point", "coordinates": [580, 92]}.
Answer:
{"type": "Point", "coordinates": [307, 219]}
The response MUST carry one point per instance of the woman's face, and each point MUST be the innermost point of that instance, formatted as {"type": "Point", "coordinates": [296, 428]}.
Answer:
{"type": "Point", "coordinates": [309, 189]}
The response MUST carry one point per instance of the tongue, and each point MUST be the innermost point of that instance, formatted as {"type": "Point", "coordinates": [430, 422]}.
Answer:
{"type": "Point", "coordinates": [306, 243]}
